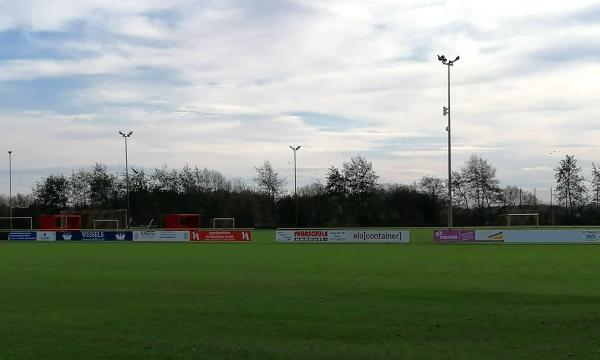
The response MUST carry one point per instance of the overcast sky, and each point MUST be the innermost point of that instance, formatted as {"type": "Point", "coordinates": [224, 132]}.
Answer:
{"type": "Point", "coordinates": [228, 84]}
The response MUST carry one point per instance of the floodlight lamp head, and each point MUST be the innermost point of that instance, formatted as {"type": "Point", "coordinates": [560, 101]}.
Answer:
{"type": "Point", "coordinates": [443, 59]}
{"type": "Point", "coordinates": [121, 133]}
{"type": "Point", "coordinates": [129, 134]}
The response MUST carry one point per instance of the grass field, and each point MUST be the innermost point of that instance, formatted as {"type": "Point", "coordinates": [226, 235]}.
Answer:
{"type": "Point", "coordinates": [299, 301]}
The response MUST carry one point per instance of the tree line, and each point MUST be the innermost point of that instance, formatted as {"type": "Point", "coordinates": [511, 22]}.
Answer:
{"type": "Point", "coordinates": [350, 196]}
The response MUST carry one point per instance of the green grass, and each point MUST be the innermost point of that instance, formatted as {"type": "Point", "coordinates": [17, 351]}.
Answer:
{"type": "Point", "coordinates": [299, 301]}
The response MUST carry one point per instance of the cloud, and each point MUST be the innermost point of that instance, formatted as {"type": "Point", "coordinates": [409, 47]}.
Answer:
{"type": "Point", "coordinates": [229, 84]}
{"type": "Point", "coordinates": [537, 168]}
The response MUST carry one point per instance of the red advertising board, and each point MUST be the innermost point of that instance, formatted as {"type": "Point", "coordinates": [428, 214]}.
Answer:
{"type": "Point", "coordinates": [221, 235]}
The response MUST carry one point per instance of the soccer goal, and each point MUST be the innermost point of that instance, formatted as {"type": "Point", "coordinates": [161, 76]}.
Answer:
{"type": "Point", "coordinates": [224, 223]}
{"type": "Point", "coordinates": [523, 219]}
{"type": "Point", "coordinates": [106, 224]}
{"type": "Point", "coordinates": [16, 222]}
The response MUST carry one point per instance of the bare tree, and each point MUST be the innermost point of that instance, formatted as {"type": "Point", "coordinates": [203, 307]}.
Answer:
{"type": "Point", "coordinates": [361, 179]}
{"type": "Point", "coordinates": [595, 182]}
{"type": "Point", "coordinates": [570, 186]}
{"type": "Point", "coordinates": [164, 180]}
{"type": "Point", "coordinates": [239, 186]}
{"type": "Point", "coordinates": [23, 201]}
{"type": "Point", "coordinates": [528, 198]}
{"type": "Point", "coordinates": [268, 181]}
{"type": "Point", "coordinates": [138, 181]}
{"type": "Point", "coordinates": [460, 191]}
{"type": "Point", "coordinates": [52, 193]}
{"type": "Point", "coordinates": [482, 182]}
{"type": "Point", "coordinates": [336, 183]}
{"type": "Point", "coordinates": [511, 196]}
{"type": "Point", "coordinates": [314, 189]}
{"type": "Point", "coordinates": [433, 186]}
{"type": "Point", "coordinates": [79, 189]}
{"type": "Point", "coordinates": [102, 186]}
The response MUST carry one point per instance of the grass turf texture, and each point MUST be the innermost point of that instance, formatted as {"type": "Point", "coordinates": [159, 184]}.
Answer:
{"type": "Point", "coordinates": [308, 301]}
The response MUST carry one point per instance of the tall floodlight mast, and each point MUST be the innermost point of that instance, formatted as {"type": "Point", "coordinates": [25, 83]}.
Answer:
{"type": "Point", "coordinates": [126, 136]}
{"type": "Point", "coordinates": [294, 149]}
{"type": "Point", "coordinates": [10, 208]}
{"type": "Point", "coordinates": [446, 111]}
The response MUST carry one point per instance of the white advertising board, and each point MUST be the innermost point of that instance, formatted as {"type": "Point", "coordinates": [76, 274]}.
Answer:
{"type": "Point", "coordinates": [552, 236]}
{"type": "Point", "coordinates": [156, 235]}
{"type": "Point", "coordinates": [349, 235]}
{"type": "Point", "coordinates": [489, 236]}
{"type": "Point", "coordinates": [46, 236]}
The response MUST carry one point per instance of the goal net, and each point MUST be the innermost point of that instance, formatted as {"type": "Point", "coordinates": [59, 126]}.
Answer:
{"type": "Point", "coordinates": [16, 222]}
{"type": "Point", "coordinates": [523, 219]}
{"type": "Point", "coordinates": [224, 223]}
{"type": "Point", "coordinates": [106, 224]}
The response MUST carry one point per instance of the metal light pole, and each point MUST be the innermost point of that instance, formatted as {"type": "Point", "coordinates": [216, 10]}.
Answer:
{"type": "Point", "coordinates": [449, 63]}
{"type": "Point", "coordinates": [294, 149]}
{"type": "Point", "coordinates": [126, 136]}
{"type": "Point", "coordinates": [10, 210]}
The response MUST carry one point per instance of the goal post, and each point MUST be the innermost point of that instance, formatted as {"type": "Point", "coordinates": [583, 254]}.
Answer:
{"type": "Point", "coordinates": [16, 223]}
{"type": "Point", "coordinates": [510, 219]}
{"type": "Point", "coordinates": [106, 224]}
{"type": "Point", "coordinates": [224, 223]}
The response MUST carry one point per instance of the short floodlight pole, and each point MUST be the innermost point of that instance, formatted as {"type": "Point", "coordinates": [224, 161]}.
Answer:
{"type": "Point", "coordinates": [126, 136]}
{"type": "Point", "coordinates": [446, 111]}
{"type": "Point", "coordinates": [294, 149]}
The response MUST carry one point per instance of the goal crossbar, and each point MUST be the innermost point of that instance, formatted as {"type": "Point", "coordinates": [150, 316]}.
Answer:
{"type": "Point", "coordinates": [107, 221]}
{"type": "Point", "coordinates": [12, 218]}
{"type": "Point", "coordinates": [232, 220]}
{"type": "Point", "coordinates": [534, 215]}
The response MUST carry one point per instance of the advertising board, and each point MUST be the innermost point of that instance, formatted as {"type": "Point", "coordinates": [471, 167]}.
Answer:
{"type": "Point", "coordinates": [4, 235]}
{"type": "Point", "coordinates": [453, 235]}
{"type": "Point", "coordinates": [489, 236]}
{"type": "Point", "coordinates": [158, 235]}
{"type": "Point", "coordinates": [94, 235]}
{"type": "Point", "coordinates": [347, 235]}
{"type": "Point", "coordinates": [244, 235]}
{"type": "Point", "coordinates": [22, 235]}
{"type": "Point", "coordinates": [46, 236]}
{"type": "Point", "coordinates": [528, 236]}
{"type": "Point", "coordinates": [552, 236]}
{"type": "Point", "coordinates": [467, 236]}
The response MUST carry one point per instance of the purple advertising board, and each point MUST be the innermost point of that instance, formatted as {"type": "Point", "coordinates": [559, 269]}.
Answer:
{"type": "Point", "coordinates": [452, 235]}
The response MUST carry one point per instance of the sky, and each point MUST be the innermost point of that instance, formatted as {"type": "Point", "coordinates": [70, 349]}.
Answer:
{"type": "Point", "coordinates": [228, 84]}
